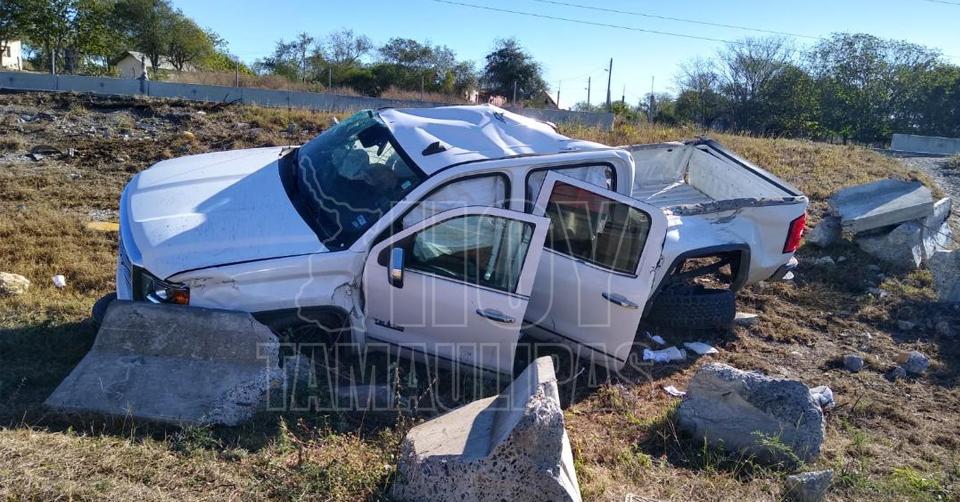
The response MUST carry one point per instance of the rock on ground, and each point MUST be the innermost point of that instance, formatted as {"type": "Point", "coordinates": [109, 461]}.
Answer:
{"type": "Point", "coordinates": [808, 486]}
{"type": "Point", "coordinates": [13, 284]}
{"type": "Point", "coordinates": [507, 447]}
{"type": "Point", "coordinates": [752, 413]}
{"type": "Point", "coordinates": [825, 233]}
{"type": "Point", "coordinates": [945, 267]}
{"type": "Point", "coordinates": [913, 362]}
{"type": "Point", "coordinates": [853, 362]}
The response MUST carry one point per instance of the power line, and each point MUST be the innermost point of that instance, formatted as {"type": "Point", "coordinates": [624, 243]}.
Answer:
{"type": "Point", "coordinates": [687, 20]}
{"type": "Point", "coordinates": [945, 2]}
{"type": "Point", "coordinates": [590, 23]}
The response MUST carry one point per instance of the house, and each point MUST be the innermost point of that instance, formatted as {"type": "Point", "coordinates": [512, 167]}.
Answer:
{"type": "Point", "coordinates": [544, 100]}
{"type": "Point", "coordinates": [10, 55]}
{"type": "Point", "coordinates": [130, 64]}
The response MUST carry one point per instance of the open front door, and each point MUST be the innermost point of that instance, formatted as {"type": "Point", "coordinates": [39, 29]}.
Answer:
{"type": "Point", "coordinates": [597, 271]}
{"type": "Point", "coordinates": [456, 285]}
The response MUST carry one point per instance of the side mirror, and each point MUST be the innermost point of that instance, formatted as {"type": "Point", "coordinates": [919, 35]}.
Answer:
{"type": "Point", "coordinates": [395, 271]}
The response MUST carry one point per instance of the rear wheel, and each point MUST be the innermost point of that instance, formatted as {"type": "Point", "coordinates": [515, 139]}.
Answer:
{"type": "Point", "coordinates": [693, 307]}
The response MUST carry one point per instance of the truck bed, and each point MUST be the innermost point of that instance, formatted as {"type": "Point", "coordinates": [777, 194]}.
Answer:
{"type": "Point", "coordinates": [700, 172]}
{"type": "Point", "coordinates": [669, 194]}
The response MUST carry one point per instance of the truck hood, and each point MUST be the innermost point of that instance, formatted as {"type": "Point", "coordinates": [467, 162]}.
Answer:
{"type": "Point", "coordinates": [213, 209]}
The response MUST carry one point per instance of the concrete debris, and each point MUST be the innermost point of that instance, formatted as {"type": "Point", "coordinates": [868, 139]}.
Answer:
{"type": "Point", "coordinates": [913, 362]}
{"type": "Point", "coordinates": [13, 284]}
{"type": "Point", "coordinates": [902, 247]}
{"type": "Point", "coordinates": [656, 339]}
{"type": "Point", "coordinates": [825, 233]}
{"type": "Point", "coordinates": [853, 363]}
{"type": "Point", "coordinates": [881, 204]}
{"type": "Point", "coordinates": [823, 395]}
{"type": "Point", "coordinates": [168, 363]}
{"type": "Point", "coordinates": [746, 319]}
{"type": "Point", "coordinates": [808, 486]}
{"type": "Point", "coordinates": [937, 234]}
{"type": "Point", "coordinates": [507, 447]}
{"type": "Point", "coordinates": [896, 373]}
{"type": "Point", "coordinates": [945, 267]}
{"type": "Point", "coordinates": [700, 348]}
{"type": "Point", "coordinates": [666, 355]}
{"type": "Point", "coordinates": [775, 420]}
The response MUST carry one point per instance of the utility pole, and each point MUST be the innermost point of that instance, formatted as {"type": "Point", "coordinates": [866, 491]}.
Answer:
{"type": "Point", "coordinates": [329, 77]}
{"type": "Point", "coordinates": [588, 92]}
{"type": "Point", "coordinates": [514, 102]}
{"type": "Point", "coordinates": [650, 110]}
{"type": "Point", "coordinates": [609, 78]}
{"type": "Point", "coordinates": [421, 86]}
{"type": "Point", "coordinates": [237, 72]}
{"type": "Point", "coordinates": [623, 97]}
{"type": "Point", "coordinates": [559, 84]}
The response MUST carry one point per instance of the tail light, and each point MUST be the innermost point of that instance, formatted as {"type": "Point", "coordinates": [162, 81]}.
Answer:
{"type": "Point", "coordinates": [795, 234]}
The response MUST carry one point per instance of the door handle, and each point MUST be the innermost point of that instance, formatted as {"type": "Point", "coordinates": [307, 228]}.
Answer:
{"type": "Point", "coordinates": [495, 315]}
{"type": "Point", "coordinates": [620, 300]}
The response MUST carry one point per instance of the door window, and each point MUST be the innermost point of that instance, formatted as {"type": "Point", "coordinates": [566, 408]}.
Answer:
{"type": "Point", "coordinates": [488, 191]}
{"type": "Point", "coordinates": [483, 250]}
{"type": "Point", "coordinates": [599, 175]}
{"type": "Point", "coordinates": [595, 229]}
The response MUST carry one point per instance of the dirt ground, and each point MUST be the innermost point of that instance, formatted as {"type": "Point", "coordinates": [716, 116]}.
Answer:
{"type": "Point", "coordinates": [885, 440]}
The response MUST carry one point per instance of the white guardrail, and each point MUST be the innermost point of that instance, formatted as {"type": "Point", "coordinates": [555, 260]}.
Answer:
{"type": "Point", "coordinates": [24, 81]}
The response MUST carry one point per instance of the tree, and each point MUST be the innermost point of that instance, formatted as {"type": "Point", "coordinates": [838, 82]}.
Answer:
{"type": "Point", "coordinates": [745, 72]}
{"type": "Point", "coordinates": [48, 24]}
{"type": "Point", "coordinates": [700, 100]}
{"type": "Point", "coordinates": [509, 66]}
{"type": "Point", "coordinates": [189, 44]}
{"type": "Point", "coordinates": [148, 24]}
{"type": "Point", "coordinates": [344, 48]}
{"type": "Point", "coordinates": [11, 21]}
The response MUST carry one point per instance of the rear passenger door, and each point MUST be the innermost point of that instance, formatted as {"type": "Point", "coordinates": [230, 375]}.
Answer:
{"type": "Point", "coordinates": [596, 273]}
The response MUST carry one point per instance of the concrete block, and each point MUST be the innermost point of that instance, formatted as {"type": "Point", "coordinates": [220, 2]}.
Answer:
{"type": "Point", "coordinates": [99, 85]}
{"type": "Point", "coordinates": [753, 414]}
{"type": "Point", "coordinates": [945, 267]}
{"type": "Point", "coordinates": [902, 247]}
{"type": "Point", "coordinates": [507, 447]}
{"type": "Point", "coordinates": [881, 204]}
{"type": "Point", "coordinates": [194, 92]}
{"type": "Point", "coordinates": [937, 234]}
{"type": "Point", "coordinates": [934, 145]}
{"type": "Point", "coordinates": [174, 364]}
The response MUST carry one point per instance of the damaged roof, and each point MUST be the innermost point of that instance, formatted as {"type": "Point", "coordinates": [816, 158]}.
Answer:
{"type": "Point", "coordinates": [439, 137]}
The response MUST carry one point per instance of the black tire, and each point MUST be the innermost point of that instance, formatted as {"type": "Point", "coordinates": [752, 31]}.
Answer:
{"type": "Point", "coordinates": [99, 309]}
{"type": "Point", "coordinates": [693, 307]}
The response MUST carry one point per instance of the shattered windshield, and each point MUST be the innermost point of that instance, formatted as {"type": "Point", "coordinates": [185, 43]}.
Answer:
{"type": "Point", "coordinates": [348, 177]}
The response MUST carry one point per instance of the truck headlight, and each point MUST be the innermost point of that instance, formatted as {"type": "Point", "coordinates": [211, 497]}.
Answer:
{"type": "Point", "coordinates": [156, 290]}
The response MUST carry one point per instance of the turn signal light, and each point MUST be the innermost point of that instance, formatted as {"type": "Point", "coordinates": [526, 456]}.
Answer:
{"type": "Point", "coordinates": [795, 234]}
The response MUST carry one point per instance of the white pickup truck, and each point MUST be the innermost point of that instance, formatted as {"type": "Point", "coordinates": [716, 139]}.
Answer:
{"type": "Point", "coordinates": [448, 231]}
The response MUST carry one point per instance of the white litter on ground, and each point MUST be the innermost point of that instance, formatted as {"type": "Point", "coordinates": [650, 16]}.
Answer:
{"type": "Point", "coordinates": [701, 348]}
{"type": "Point", "coordinates": [673, 391]}
{"type": "Point", "coordinates": [664, 355]}
{"type": "Point", "coordinates": [824, 396]}
{"type": "Point", "coordinates": [59, 281]}
{"type": "Point", "coordinates": [656, 338]}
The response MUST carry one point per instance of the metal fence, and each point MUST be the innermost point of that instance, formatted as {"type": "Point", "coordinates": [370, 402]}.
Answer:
{"type": "Point", "coordinates": [24, 81]}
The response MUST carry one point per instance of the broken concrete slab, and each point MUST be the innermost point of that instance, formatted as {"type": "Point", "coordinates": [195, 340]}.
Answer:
{"type": "Point", "coordinates": [880, 204]}
{"type": "Point", "coordinates": [168, 363]}
{"type": "Point", "coordinates": [777, 421]}
{"type": "Point", "coordinates": [825, 233]}
{"type": "Point", "coordinates": [902, 247]}
{"type": "Point", "coordinates": [808, 486]}
{"type": "Point", "coordinates": [13, 284]}
{"type": "Point", "coordinates": [945, 268]}
{"type": "Point", "coordinates": [507, 447]}
{"type": "Point", "coordinates": [937, 234]}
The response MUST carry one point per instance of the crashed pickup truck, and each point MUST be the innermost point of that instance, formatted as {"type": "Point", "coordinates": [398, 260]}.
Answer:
{"type": "Point", "coordinates": [448, 232]}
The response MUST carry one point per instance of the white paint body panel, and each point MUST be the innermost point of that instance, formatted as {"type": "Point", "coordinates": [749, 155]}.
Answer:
{"type": "Point", "coordinates": [568, 303]}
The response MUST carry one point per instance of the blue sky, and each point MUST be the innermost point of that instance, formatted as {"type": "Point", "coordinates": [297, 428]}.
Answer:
{"type": "Point", "coordinates": [571, 52]}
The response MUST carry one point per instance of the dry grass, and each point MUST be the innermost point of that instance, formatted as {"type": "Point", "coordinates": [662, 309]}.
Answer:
{"type": "Point", "coordinates": [885, 441]}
